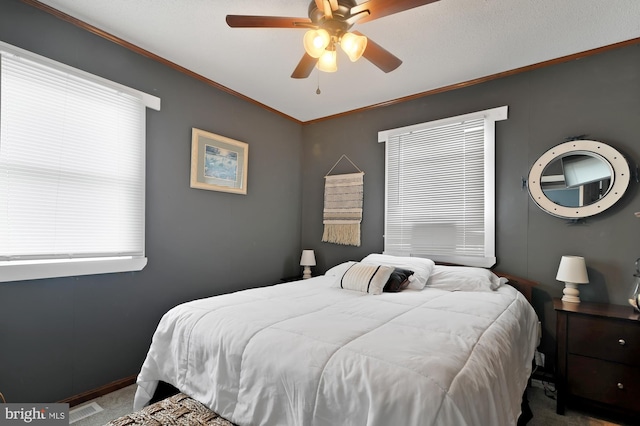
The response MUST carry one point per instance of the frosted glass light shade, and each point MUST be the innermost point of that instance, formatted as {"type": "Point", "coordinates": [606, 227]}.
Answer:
{"type": "Point", "coordinates": [353, 45]}
{"type": "Point", "coordinates": [328, 61]}
{"type": "Point", "coordinates": [315, 42]}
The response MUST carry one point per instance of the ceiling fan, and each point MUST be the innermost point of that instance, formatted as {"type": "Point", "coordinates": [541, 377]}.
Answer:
{"type": "Point", "coordinates": [329, 23]}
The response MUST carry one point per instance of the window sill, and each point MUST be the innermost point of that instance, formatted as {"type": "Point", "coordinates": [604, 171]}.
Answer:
{"type": "Point", "coordinates": [14, 271]}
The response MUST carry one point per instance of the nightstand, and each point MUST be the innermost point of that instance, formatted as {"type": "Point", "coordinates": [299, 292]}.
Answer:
{"type": "Point", "coordinates": [290, 279]}
{"type": "Point", "coordinates": [598, 356]}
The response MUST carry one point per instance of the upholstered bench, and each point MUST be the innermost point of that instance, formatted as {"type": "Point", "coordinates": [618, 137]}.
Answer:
{"type": "Point", "coordinates": [179, 410]}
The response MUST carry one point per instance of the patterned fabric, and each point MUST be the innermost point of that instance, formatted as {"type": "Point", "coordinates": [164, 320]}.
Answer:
{"type": "Point", "coordinates": [178, 410]}
{"type": "Point", "coordinates": [366, 278]}
{"type": "Point", "coordinates": [342, 212]}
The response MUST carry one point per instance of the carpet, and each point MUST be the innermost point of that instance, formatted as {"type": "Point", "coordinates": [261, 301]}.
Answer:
{"type": "Point", "coordinates": [178, 410]}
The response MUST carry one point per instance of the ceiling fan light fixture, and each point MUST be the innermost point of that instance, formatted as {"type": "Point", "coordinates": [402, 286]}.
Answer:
{"type": "Point", "coordinates": [316, 41]}
{"type": "Point", "coordinates": [327, 24]}
{"type": "Point", "coordinates": [353, 45]}
{"type": "Point", "coordinates": [328, 61]}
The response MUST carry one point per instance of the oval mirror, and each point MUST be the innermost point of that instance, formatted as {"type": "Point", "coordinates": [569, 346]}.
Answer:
{"type": "Point", "coordinates": [578, 179]}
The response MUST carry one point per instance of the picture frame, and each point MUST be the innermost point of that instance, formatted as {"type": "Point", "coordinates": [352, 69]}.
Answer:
{"type": "Point", "coordinates": [218, 163]}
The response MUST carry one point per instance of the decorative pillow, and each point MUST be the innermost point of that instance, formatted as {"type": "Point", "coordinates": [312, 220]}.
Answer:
{"type": "Point", "coordinates": [420, 266]}
{"type": "Point", "coordinates": [398, 281]}
{"type": "Point", "coordinates": [464, 278]}
{"type": "Point", "coordinates": [366, 278]}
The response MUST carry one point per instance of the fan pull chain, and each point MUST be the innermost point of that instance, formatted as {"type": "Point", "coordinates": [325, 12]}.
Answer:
{"type": "Point", "coordinates": [318, 89]}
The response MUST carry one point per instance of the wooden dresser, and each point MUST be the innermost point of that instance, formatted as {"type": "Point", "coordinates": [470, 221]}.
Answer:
{"type": "Point", "coordinates": [598, 356]}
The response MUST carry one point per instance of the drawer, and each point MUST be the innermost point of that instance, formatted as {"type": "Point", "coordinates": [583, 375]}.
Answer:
{"type": "Point", "coordinates": [603, 338]}
{"type": "Point", "coordinates": [603, 381]}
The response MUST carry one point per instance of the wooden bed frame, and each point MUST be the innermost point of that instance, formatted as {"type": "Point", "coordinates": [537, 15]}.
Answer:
{"type": "Point", "coordinates": [523, 285]}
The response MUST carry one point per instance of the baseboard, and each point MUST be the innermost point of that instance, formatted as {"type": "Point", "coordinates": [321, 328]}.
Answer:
{"type": "Point", "coordinates": [103, 390]}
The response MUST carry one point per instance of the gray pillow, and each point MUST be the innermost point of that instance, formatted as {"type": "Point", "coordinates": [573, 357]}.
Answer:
{"type": "Point", "coordinates": [398, 281]}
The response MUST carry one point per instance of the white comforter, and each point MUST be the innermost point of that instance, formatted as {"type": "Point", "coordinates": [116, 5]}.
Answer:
{"type": "Point", "coordinates": [305, 353]}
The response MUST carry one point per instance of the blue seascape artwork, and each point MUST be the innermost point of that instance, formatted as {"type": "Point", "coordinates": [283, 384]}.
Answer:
{"type": "Point", "coordinates": [220, 163]}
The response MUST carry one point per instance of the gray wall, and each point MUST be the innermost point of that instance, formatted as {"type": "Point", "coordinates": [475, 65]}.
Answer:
{"type": "Point", "coordinates": [598, 96]}
{"type": "Point", "coordinates": [61, 337]}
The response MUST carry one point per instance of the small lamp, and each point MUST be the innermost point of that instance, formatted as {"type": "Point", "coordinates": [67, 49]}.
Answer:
{"type": "Point", "coordinates": [315, 41]}
{"type": "Point", "coordinates": [572, 271]}
{"type": "Point", "coordinates": [307, 260]}
{"type": "Point", "coordinates": [328, 61]}
{"type": "Point", "coordinates": [353, 45]}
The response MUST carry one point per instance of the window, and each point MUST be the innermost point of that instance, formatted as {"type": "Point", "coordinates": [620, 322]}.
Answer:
{"type": "Point", "coordinates": [440, 189]}
{"type": "Point", "coordinates": [72, 176]}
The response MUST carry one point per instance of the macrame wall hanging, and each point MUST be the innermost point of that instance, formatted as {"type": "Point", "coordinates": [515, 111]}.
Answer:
{"type": "Point", "coordinates": [342, 212]}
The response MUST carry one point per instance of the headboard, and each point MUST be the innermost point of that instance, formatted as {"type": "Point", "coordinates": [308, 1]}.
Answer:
{"type": "Point", "coordinates": [523, 285]}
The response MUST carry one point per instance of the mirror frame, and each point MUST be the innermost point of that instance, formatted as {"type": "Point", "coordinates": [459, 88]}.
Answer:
{"type": "Point", "coordinates": [619, 180]}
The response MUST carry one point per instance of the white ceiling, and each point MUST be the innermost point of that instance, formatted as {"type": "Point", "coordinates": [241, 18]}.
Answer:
{"type": "Point", "coordinates": [443, 43]}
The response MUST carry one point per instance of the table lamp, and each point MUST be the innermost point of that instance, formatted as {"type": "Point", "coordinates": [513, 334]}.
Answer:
{"type": "Point", "coordinates": [572, 271]}
{"type": "Point", "coordinates": [307, 260]}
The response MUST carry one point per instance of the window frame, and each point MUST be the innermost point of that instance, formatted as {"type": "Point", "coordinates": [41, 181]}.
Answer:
{"type": "Point", "coordinates": [18, 270]}
{"type": "Point", "coordinates": [490, 116]}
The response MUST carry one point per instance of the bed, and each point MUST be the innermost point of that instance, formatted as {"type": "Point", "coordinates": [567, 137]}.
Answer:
{"type": "Point", "coordinates": [453, 347]}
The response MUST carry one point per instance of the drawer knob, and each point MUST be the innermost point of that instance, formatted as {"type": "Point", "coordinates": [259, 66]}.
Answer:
{"type": "Point", "coordinates": [620, 386]}
{"type": "Point", "coordinates": [622, 342]}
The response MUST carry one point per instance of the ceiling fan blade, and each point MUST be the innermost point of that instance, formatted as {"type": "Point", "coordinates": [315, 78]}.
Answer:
{"type": "Point", "coordinates": [333, 4]}
{"type": "Point", "coordinates": [247, 21]}
{"type": "Point", "coordinates": [327, 9]}
{"type": "Point", "coordinates": [379, 56]}
{"type": "Point", "coordinates": [305, 66]}
{"type": "Point", "coordinates": [379, 8]}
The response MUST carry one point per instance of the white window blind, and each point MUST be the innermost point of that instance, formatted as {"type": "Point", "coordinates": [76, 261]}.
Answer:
{"type": "Point", "coordinates": [440, 189]}
{"type": "Point", "coordinates": [72, 176]}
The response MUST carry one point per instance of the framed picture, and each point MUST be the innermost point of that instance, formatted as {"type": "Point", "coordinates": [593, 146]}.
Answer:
{"type": "Point", "coordinates": [218, 163]}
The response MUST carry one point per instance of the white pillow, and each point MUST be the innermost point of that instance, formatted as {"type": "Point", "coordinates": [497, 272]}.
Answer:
{"type": "Point", "coordinates": [339, 269]}
{"type": "Point", "coordinates": [420, 266]}
{"type": "Point", "coordinates": [365, 278]}
{"type": "Point", "coordinates": [464, 278]}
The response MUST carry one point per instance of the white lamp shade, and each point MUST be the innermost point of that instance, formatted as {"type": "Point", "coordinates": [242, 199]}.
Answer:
{"type": "Point", "coordinates": [308, 258]}
{"type": "Point", "coordinates": [572, 269]}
